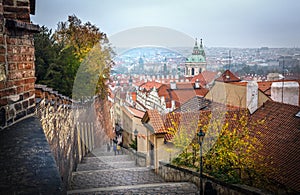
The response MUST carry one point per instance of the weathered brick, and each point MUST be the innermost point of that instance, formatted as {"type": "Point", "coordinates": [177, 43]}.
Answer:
{"type": "Point", "coordinates": [25, 104]}
{"type": "Point", "coordinates": [2, 58]}
{"type": "Point", "coordinates": [21, 66]}
{"type": "Point", "coordinates": [18, 107]}
{"type": "Point", "coordinates": [2, 85]}
{"type": "Point", "coordinates": [8, 2]}
{"type": "Point", "coordinates": [12, 66]}
{"type": "Point", "coordinates": [28, 66]}
{"type": "Point", "coordinates": [31, 101]}
{"type": "Point", "coordinates": [14, 9]}
{"type": "Point", "coordinates": [26, 95]}
{"type": "Point", "coordinates": [11, 41]}
{"type": "Point", "coordinates": [28, 87]}
{"type": "Point", "coordinates": [20, 89]}
{"type": "Point", "coordinates": [10, 15]}
{"type": "Point", "coordinates": [22, 3]}
{"type": "Point", "coordinates": [23, 16]}
{"type": "Point", "coordinates": [14, 57]}
{"type": "Point", "coordinates": [1, 39]}
{"type": "Point", "coordinates": [3, 102]}
{"type": "Point", "coordinates": [2, 49]}
{"type": "Point", "coordinates": [31, 110]}
{"type": "Point", "coordinates": [29, 80]}
{"type": "Point", "coordinates": [12, 91]}
{"type": "Point", "coordinates": [20, 115]}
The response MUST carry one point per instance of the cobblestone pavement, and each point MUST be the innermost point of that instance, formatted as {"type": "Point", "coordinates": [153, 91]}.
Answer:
{"type": "Point", "coordinates": [103, 172]}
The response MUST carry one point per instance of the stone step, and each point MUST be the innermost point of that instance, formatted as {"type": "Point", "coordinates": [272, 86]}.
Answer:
{"type": "Point", "coordinates": [107, 159]}
{"type": "Point", "coordinates": [113, 177]}
{"type": "Point", "coordinates": [153, 188]}
{"type": "Point", "coordinates": [103, 165]}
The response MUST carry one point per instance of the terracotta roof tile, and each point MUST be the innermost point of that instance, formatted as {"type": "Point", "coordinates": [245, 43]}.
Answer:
{"type": "Point", "coordinates": [156, 121]}
{"type": "Point", "coordinates": [205, 77]}
{"type": "Point", "coordinates": [228, 77]}
{"type": "Point", "coordinates": [136, 112]}
{"type": "Point", "coordinates": [281, 140]}
{"type": "Point", "coordinates": [150, 84]}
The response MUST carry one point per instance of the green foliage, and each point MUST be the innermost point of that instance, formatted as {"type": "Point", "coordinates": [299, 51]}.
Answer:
{"type": "Point", "coordinates": [133, 144]}
{"type": "Point", "coordinates": [45, 53]}
{"type": "Point", "coordinates": [231, 152]}
{"type": "Point", "coordinates": [59, 56]}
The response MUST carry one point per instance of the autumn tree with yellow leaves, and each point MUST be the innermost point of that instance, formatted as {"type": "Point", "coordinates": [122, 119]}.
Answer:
{"type": "Point", "coordinates": [231, 149]}
{"type": "Point", "coordinates": [60, 54]}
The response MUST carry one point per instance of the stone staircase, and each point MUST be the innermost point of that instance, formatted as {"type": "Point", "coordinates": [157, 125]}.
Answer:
{"type": "Point", "coordinates": [102, 172]}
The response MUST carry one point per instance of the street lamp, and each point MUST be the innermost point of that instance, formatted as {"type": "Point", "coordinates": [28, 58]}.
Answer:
{"type": "Point", "coordinates": [201, 135]}
{"type": "Point", "coordinates": [135, 135]}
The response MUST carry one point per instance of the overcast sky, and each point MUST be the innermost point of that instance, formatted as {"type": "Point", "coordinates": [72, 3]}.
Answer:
{"type": "Point", "coordinates": [224, 23]}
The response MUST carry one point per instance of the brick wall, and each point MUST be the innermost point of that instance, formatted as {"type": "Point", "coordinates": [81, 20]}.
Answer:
{"type": "Point", "coordinates": [17, 75]}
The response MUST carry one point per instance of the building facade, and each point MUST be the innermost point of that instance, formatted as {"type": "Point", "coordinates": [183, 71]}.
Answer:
{"type": "Point", "coordinates": [196, 63]}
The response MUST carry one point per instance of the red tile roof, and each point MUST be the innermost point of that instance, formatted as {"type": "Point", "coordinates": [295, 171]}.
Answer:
{"type": "Point", "coordinates": [150, 84]}
{"type": "Point", "coordinates": [137, 113]}
{"type": "Point", "coordinates": [228, 77]}
{"type": "Point", "coordinates": [187, 120]}
{"type": "Point", "coordinates": [155, 119]}
{"type": "Point", "coordinates": [281, 140]}
{"type": "Point", "coordinates": [205, 77]}
{"type": "Point", "coordinates": [186, 91]}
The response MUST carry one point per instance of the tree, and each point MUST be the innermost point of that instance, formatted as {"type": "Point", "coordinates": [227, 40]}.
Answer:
{"type": "Point", "coordinates": [182, 129]}
{"type": "Point", "coordinates": [230, 147]}
{"type": "Point", "coordinates": [60, 55]}
{"type": "Point", "coordinates": [45, 53]}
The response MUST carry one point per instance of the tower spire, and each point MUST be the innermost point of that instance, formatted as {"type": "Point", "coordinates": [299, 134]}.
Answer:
{"type": "Point", "coordinates": [201, 43]}
{"type": "Point", "coordinates": [196, 44]}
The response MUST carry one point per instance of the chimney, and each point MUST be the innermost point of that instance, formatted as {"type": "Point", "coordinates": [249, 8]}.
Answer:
{"type": "Point", "coordinates": [285, 92]}
{"type": "Point", "coordinates": [162, 100]}
{"type": "Point", "coordinates": [173, 105]}
{"type": "Point", "coordinates": [197, 84]}
{"type": "Point", "coordinates": [252, 96]}
{"type": "Point", "coordinates": [173, 85]}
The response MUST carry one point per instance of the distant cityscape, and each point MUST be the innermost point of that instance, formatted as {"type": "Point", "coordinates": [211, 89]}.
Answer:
{"type": "Point", "coordinates": [245, 62]}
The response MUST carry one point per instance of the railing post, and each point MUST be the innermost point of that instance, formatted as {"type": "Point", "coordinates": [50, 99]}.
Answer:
{"type": "Point", "coordinates": [85, 138]}
{"type": "Point", "coordinates": [79, 141]}
{"type": "Point", "coordinates": [93, 139]}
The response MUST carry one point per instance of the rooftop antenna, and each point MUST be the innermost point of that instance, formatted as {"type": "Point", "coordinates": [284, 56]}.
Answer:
{"type": "Point", "coordinates": [282, 79]}
{"type": "Point", "coordinates": [229, 59]}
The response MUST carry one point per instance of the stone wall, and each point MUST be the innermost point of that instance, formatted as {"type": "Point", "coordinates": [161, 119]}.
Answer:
{"type": "Point", "coordinates": [17, 75]}
{"type": "Point", "coordinates": [58, 121]}
{"type": "Point", "coordinates": [210, 185]}
{"type": "Point", "coordinates": [72, 128]}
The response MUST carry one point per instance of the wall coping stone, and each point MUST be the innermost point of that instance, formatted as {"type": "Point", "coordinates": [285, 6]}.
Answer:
{"type": "Point", "coordinates": [238, 187]}
{"type": "Point", "coordinates": [26, 162]}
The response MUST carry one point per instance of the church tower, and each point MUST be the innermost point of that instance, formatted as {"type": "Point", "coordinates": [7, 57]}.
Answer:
{"type": "Point", "coordinates": [196, 63]}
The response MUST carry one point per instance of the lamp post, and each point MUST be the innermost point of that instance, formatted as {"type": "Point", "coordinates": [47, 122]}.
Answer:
{"type": "Point", "coordinates": [135, 135]}
{"type": "Point", "coordinates": [201, 135]}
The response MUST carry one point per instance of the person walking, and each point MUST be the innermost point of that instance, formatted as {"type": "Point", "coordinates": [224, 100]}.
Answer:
{"type": "Point", "coordinates": [115, 147]}
{"type": "Point", "coordinates": [108, 147]}
{"type": "Point", "coordinates": [118, 148]}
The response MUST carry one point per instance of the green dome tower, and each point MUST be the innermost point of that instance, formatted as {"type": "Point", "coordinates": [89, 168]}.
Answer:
{"type": "Point", "coordinates": [196, 63]}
